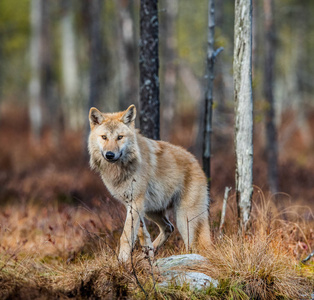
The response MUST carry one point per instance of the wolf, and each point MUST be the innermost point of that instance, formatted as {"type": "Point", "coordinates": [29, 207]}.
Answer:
{"type": "Point", "coordinates": [150, 178]}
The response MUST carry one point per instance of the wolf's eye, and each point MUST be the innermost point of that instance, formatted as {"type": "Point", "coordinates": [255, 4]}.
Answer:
{"type": "Point", "coordinates": [120, 137]}
{"type": "Point", "coordinates": [104, 137]}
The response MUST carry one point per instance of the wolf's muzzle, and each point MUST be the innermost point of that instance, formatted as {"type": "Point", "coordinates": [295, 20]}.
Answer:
{"type": "Point", "coordinates": [110, 155]}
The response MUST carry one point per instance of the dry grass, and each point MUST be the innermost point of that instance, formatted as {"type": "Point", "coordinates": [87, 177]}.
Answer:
{"type": "Point", "coordinates": [59, 233]}
{"type": "Point", "coordinates": [49, 253]}
{"type": "Point", "coordinates": [258, 266]}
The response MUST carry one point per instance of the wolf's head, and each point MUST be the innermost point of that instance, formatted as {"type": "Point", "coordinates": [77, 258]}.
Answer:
{"type": "Point", "coordinates": [112, 134]}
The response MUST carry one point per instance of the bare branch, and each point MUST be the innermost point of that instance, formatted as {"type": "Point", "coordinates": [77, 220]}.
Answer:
{"type": "Point", "coordinates": [223, 210]}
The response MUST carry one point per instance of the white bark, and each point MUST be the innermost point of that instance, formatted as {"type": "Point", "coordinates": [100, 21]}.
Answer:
{"type": "Point", "coordinates": [35, 111]}
{"type": "Point", "coordinates": [70, 75]}
{"type": "Point", "coordinates": [243, 108]}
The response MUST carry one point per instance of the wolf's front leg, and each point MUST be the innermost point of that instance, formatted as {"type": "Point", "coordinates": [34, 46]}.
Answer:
{"type": "Point", "coordinates": [130, 231]}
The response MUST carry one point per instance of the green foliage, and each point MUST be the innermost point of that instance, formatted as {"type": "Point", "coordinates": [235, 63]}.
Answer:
{"type": "Point", "coordinates": [14, 26]}
{"type": "Point", "coordinates": [192, 32]}
{"type": "Point", "coordinates": [14, 41]}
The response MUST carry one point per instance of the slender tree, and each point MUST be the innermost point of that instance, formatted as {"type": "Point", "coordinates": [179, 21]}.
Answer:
{"type": "Point", "coordinates": [271, 131]}
{"type": "Point", "coordinates": [242, 68]}
{"type": "Point", "coordinates": [149, 66]}
{"type": "Point", "coordinates": [70, 76]}
{"type": "Point", "coordinates": [211, 55]}
{"type": "Point", "coordinates": [49, 99]}
{"type": "Point", "coordinates": [35, 104]}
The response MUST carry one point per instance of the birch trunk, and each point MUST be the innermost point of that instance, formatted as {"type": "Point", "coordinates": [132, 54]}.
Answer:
{"type": "Point", "coordinates": [69, 66]}
{"type": "Point", "coordinates": [242, 68]}
{"type": "Point", "coordinates": [149, 67]}
{"type": "Point", "coordinates": [35, 109]}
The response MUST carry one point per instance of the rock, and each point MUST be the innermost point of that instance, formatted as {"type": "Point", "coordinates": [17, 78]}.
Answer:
{"type": "Point", "coordinates": [170, 268]}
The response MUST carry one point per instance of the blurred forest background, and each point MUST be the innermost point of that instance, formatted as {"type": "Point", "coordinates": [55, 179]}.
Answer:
{"type": "Point", "coordinates": [58, 58]}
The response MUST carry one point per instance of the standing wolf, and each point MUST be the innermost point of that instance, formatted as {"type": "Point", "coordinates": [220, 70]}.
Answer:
{"type": "Point", "coordinates": [149, 177]}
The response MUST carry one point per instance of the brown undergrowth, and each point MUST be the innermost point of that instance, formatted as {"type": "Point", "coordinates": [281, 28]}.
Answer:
{"type": "Point", "coordinates": [69, 253]}
{"type": "Point", "coordinates": [59, 229]}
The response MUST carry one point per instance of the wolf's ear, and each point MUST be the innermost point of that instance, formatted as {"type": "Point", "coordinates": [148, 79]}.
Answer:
{"type": "Point", "coordinates": [95, 117]}
{"type": "Point", "coordinates": [129, 115]}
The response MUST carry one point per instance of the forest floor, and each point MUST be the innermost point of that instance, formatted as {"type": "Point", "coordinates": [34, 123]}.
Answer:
{"type": "Point", "coordinates": [59, 227]}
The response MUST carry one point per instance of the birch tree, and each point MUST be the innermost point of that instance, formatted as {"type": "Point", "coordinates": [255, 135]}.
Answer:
{"type": "Point", "coordinates": [70, 77]}
{"type": "Point", "coordinates": [35, 105]}
{"type": "Point", "coordinates": [242, 68]}
{"type": "Point", "coordinates": [149, 67]}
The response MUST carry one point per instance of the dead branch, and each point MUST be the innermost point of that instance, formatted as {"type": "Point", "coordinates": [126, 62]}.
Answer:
{"type": "Point", "coordinates": [223, 210]}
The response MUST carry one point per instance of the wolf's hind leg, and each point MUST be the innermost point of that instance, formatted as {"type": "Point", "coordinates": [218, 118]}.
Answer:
{"type": "Point", "coordinates": [145, 240]}
{"type": "Point", "coordinates": [191, 219]}
{"type": "Point", "coordinates": [165, 227]}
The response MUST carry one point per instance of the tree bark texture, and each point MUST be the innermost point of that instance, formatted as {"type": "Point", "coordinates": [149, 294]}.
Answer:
{"type": "Point", "coordinates": [271, 131]}
{"type": "Point", "coordinates": [149, 66]}
{"type": "Point", "coordinates": [242, 68]}
{"type": "Point", "coordinates": [209, 91]}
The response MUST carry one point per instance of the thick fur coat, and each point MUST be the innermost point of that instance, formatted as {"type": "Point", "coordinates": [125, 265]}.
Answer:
{"type": "Point", "coordinates": [150, 178]}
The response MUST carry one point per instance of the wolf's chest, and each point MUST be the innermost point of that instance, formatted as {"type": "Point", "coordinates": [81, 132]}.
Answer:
{"type": "Point", "coordinates": [124, 192]}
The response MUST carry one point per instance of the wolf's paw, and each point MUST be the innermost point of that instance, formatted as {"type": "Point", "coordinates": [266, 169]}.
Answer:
{"type": "Point", "coordinates": [148, 251]}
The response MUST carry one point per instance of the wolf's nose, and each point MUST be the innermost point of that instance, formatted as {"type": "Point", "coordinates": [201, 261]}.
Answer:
{"type": "Point", "coordinates": [109, 155]}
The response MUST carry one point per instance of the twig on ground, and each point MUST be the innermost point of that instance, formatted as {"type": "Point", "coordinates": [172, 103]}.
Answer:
{"type": "Point", "coordinates": [223, 210]}
{"type": "Point", "coordinates": [308, 257]}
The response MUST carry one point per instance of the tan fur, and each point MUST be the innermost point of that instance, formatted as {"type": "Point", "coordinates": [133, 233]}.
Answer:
{"type": "Point", "coordinates": [149, 177]}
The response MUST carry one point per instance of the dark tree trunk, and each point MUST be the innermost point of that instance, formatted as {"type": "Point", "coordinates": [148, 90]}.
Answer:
{"type": "Point", "coordinates": [209, 91]}
{"type": "Point", "coordinates": [211, 55]}
{"type": "Point", "coordinates": [50, 102]}
{"type": "Point", "coordinates": [149, 65]}
{"type": "Point", "coordinates": [49, 96]}
{"type": "Point", "coordinates": [271, 131]}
